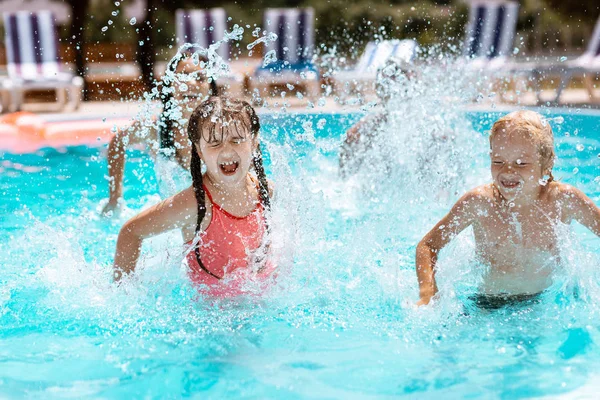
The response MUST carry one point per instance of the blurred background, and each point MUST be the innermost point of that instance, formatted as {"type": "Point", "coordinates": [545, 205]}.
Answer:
{"type": "Point", "coordinates": [119, 44]}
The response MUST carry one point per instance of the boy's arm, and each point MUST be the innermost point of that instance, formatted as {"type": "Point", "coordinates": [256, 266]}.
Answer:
{"type": "Point", "coordinates": [581, 208]}
{"type": "Point", "coordinates": [175, 212]}
{"type": "Point", "coordinates": [117, 149]}
{"type": "Point", "coordinates": [459, 218]}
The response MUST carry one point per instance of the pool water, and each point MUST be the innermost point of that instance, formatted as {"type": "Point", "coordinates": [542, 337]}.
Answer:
{"type": "Point", "coordinates": [341, 321]}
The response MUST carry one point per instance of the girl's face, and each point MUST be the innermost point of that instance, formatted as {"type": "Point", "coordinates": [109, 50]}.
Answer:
{"type": "Point", "coordinates": [516, 166]}
{"type": "Point", "coordinates": [227, 152]}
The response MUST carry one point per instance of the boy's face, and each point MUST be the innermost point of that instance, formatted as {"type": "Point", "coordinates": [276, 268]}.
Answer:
{"type": "Point", "coordinates": [227, 153]}
{"type": "Point", "coordinates": [516, 166]}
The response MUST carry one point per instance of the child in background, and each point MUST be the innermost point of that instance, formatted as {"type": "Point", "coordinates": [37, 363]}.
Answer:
{"type": "Point", "coordinates": [168, 134]}
{"type": "Point", "coordinates": [514, 218]}
{"type": "Point", "coordinates": [222, 215]}
{"type": "Point", "coordinates": [391, 83]}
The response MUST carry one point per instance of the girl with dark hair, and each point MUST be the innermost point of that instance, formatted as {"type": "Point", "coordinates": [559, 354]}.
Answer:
{"type": "Point", "coordinates": [222, 214]}
{"type": "Point", "coordinates": [173, 146]}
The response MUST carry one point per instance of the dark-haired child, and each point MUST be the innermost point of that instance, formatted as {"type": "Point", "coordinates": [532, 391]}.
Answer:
{"type": "Point", "coordinates": [222, 215]}
{"type": "Point", "coordinates": [169, 135]}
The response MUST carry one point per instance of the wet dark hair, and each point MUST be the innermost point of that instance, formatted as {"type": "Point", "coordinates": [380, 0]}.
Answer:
{"type": "Point", "coordinates": [208, 117]}
{"type": "Point", "coordinates": [165, 123]}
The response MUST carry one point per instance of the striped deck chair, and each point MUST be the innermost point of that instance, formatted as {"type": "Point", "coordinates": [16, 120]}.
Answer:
{"type": "Point", "coordinates": [206, 27]}
{"type": "Point", "coordinates": [292, 50]}
{"type": "Point", "coordinates": [586, 65]}
{"type": "Point", "coordinates": [33, 63]}
{"type": "Point", "coordinates": [490, 33]}
{"type": "Point", "coordinates": [374, 57]}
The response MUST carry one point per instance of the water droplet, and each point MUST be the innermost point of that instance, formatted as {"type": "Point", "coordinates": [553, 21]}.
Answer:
{"type": "Point", "coordinates": [132, 21]}
{"type": "Point", "coordinates": [270, 58]}
{"type": "Point", "coordinates": [115, 13]}
{"type": "Point", "coordinates": [141, 42]}
{"type": "Point", "coordinates": [110, 22]}
{"type": "Point", "coordinates": [580, 147]}
{"type": "Point", "coordinates": [575, 170]}
{"type": "Point", "coordinates": [104, 28]}
{"type": "Point", "coordinates": [563, 59]}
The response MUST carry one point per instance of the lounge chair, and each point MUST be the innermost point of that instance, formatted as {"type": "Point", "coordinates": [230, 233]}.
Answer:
{"type": "Point", "coordinates": [288, 60]}
{"type": "Point", "coordinates": [374, 57]}
{"type": "Point", "coordinates": [586, 65]}
{"type": "Point", "coordinates": [206, 27]}
{"type": "Point", "coordinates": [31, 43]}
{"type": "Point", "coordinates": [490, 34]}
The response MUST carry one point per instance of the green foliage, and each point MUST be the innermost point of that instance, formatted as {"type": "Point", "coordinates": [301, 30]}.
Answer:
{"type": "Point", "coordinates": [347, 25]}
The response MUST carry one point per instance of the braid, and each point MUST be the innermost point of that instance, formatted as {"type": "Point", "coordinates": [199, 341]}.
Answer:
{"type": "Point", "coordinates": [165, 123]}
{"type": "Point", "coordinates": [196, 170]}
{"type": "Point", "coordinates": [263, 184]}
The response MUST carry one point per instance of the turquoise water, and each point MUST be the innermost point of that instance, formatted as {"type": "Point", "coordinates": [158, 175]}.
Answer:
{"type": "Point", "coordinates": [339, 324]}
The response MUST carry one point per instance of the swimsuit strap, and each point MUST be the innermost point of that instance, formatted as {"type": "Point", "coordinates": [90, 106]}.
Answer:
{"type": "Point", "coordinates": [224, 211]}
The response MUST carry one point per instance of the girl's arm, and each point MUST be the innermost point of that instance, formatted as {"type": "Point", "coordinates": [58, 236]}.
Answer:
{"type": "Point", "coordinates": [580, 208]}
{"type": "Point", "coordinates": [175, 212]}
{"type": "Point", "coordinates": [459, 218]}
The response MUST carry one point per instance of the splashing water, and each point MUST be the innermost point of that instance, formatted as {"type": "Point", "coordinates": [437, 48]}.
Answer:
{"type": "Point", "coordinates": [340, 321]}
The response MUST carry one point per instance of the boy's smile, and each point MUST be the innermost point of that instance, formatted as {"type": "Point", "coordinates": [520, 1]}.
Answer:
{"type": "Point", "coordinates": [516, 166]}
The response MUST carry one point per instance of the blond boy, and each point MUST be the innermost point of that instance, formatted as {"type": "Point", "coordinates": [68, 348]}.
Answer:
{"type": "Point", "coordinates": [514, 218]}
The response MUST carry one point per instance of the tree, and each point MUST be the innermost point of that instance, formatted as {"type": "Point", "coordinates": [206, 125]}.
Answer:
{"type": "Point", "coordinates": [584, 9]}
{"type": "Point", "coordinates": [79, 12]}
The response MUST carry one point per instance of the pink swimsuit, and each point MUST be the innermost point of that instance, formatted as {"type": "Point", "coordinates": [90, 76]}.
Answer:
{"type": "Point", "coordinates": [227, 248]}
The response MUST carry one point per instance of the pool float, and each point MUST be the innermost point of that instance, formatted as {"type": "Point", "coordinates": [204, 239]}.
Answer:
{"type": "Point", "coordinates": [24, 132]}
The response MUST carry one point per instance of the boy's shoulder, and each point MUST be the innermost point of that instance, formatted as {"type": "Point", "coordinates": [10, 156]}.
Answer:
{"type": "Point", "coordinates": [562, 191]}
{"type": "Point", "coordinates": [476, 200]}
{"type": "Point", "coordinates": [480, 194]}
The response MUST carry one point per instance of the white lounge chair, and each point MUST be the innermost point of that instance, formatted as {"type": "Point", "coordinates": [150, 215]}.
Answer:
{"type": "Point", "coordinates": [31, 43]}
{"type": "Point", "coordinates": [586, 65]}
{"type": "Point", "coordinates": [374, 57]}
{"type": "Point", "coordinates": [204, 28]}
{"type": "Point", "coordinates": [290, 55]}
{"type": "Point", "coordinates": [490, 34]}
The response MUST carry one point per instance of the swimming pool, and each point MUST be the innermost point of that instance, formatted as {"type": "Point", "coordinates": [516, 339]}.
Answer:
{"type": "Point", "coordinates": [340, 323]}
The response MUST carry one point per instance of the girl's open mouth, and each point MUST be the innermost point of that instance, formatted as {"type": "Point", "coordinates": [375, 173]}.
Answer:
{"type": "Point", "coordinates": [229, 167]}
